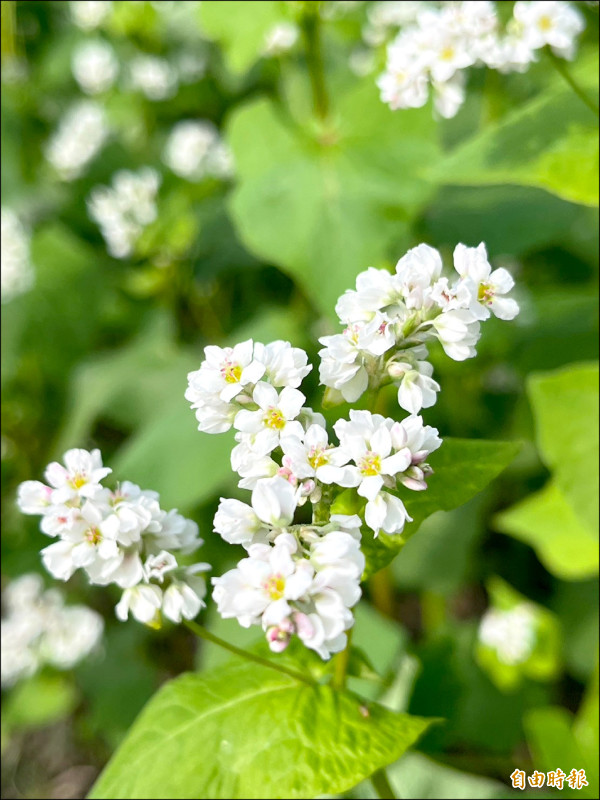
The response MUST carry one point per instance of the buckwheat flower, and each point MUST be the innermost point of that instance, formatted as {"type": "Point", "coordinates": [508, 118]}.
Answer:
{"type": "Point", "coordinates": [95, 66]}
{"type": "Point", "coordinates": [143, 601]}
{"type": "Point", "coordinates": [153, 76]}
{"type": "Point", "coordinates": [79, 477]}
{"type": "Point", "coordinates": [281, 38]}
{"type": "Point", "coordinates": [448, 96]}
{"type": "Point", "coordinates": [376, 290]}
{"type": "Point", "coordinates": [276, 416]}
{"type": "Point", "coordinates": [89, 14]}
{"type": "Point", "coordinates": [225, 371]}
{"type": "Point", "coordinates": [194, 150]}
{"type": "Point", "coordinates": [273, 504]}
{"type": "Point", "coordinates": [16, 269]}
{"type": "Point", "coordinates": [183, 599]}
{"type": "Point", "coordinates": [417, 271]}
{"type": "Point", "coordinates": [343, 364]}
{"type": "Point", "coordinates": [70, 635]}
{"type": "Point", "coordinates": [489, 286]}
{"type": "Point", "coordinates": [416, 389]}
{"type": "Point", "coordinates": [421, 440]}
{"type": "Point", "coordinates": [34, 497]}
{"type": "Point", "coordinates": [124, 209]}
{"type": "Point", "coordinates": [386, 512]}
{"type": "Point", "coordinates": [458, 332]}
{"type": "Point", "coordinates": [549, 22]}
{"type": "Point", "coordinates": [81, 134]}
{"type": "Point", "coordinates": [339, 550]}
{"type": "Point", "coordinates": [510, 633]}
{"type": "Point", "coordinates": [284, 365]}
{"type": "Point", "coordinates": [159, 565]}
{"type": "Point", "coordinates": [371, 450]}
{"type": "Point", "coordinates": [403, 86]}
{"type": "Point", "coordinates": [309, 454]}
{"type": "Point", "coordinates": [264, 583]}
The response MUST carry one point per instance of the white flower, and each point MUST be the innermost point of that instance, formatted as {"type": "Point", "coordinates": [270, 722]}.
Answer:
{"type": "Point", "coordinates": [80, 136]}
{"type": "Point", "coordinates": [183, 598]}
{"type": "Point", "coordinates": [280, 38]}
{"type": "Point", "coordinates": [376, 289]}
{"type": "Point", "coordinates": [159, 565]}
{"type": "Point", "coordinates": [284, 365]}
{"type": "Point", "coordinates": [549, 22]}
{"type": "Point", "coordinates": [17, 273]}
{"type": "Point", "coordinates": [368, 440]}
{"type": "Point", "coordinates": [511, 633]}
{"type": "Point", "coordinates": [417, 388]}
{"type": "Point", "coordinates": [225, 371]}
{"type": "Point", "coordinates": [273, 505]}
{"type": "Point", "coordinates": [387, 512]}
{"type": "Point", "coordinates": [417, 271]}
{"type": "Point", "coordinates": [79, 477]}
{"type": "Point", "coordinates": [458, 333]}
{"type": "Point", "coordinates": [153, 76]}
{"type": "Point", "coordinates": [340, 550]}
{"type": "Point", "coordinates": [95, 66]}
{"type": "Point", "coordinates": [143, 601]}
{"type": "Point", "coordinates": [489, 287]}
{"type": "Point", "coordinates": [263, 584]}
{"type": "Point", "coordinates": [311, 453]}
{"type": "Point", "coordinates": [71, 635]}
{"type": "Point", "coordinates": [195, 150]}
{"type": "Point", "coordinates": [125, 209]}
{"type": "Point", "coordinates": [89, 14]}
{"type": "Point", "coordinates": [34, 497]}
{"type": "Point", "coordinates": [275, 417]}
{"type": "Point", "coordinates": [448, 96]}
{"type": "Point", "coordinates": [342, 364]}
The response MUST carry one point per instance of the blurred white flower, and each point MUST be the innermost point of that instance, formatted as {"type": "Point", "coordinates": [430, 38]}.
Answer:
{"type": "Point", "coordinates": [512, 633]}
{"type": "Point", "coordinates": [194, 150]}
{"type": "Point", "coordinates": [153, 76]}
{"type": "Point", "coordinates": [38, 629]}
{"type": "Point", "coordinates": [80, 135]}
{"type": "Point", "coordinates": [95, 66]}
{"type": "Point", "coordinates": [89, 14]}
{"type": "Point", "coordinates": [16, 269]}
{"type": "Point", "coordinates": [281, 38]}
{"type": "Point", "coordinates": [123, 210]}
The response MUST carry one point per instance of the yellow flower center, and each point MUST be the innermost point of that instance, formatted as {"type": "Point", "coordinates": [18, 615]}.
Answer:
{"type": "Point", "coordinates": [231, 372]}
{"type": "Point", "coordinates": [93, 536]}
{"type": "Point", "coordinates": [274, 419]}
{"type": "Point", "coordinates": [545, 23]}
{"type": "Point", "coordinates": [485, 293]}
{"type": "Point", "coordinates": [316, 458]}
{"type": "Point", "coordinates": [370, 464]}
{"type": "Point", "coordinates": [275, 586]}
{"type": "Point", "coordinates": [78, 480]}
{"type": "Point", "coordinates": [447, 54]}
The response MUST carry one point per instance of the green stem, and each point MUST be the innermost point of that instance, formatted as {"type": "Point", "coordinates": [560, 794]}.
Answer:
{"type": "Point", "coordinates": [382, 786]}
{"type": "Point", "coordinates": [340, 667]}
{"type": "Point", "coordinates": [311, 31]}
{"type": "Point", "coordinates": [382, 591]}
{"type": "Point", "coordinates": [9, 30]}
{"type": "Point", "coordinates": [202, 633]}
{"type": "Point", "coordinates": [561, 67]}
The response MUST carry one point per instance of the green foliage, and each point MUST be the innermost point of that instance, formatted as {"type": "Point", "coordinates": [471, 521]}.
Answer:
{"type": "Point", "coordinates": [560, 521]}
{"type": "Point", "coordinates": [550, 142]}
{"type": "Point", "coordinates": [462, 469]}
{"type": "Point", "coordinates": [240, 713]}
{"type": "Point", "coordinates": [325, 204]}
{"type": "Point", "coordinates": [39, 701]}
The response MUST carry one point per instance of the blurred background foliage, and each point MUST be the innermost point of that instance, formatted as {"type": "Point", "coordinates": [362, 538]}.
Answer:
{"type": "Point", "coordinates": [96, 354]}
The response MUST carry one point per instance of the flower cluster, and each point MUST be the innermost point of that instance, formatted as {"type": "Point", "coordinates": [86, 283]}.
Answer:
{"type": "Point", "coordinates": [510, 633]}
{"type": "Point", "coordinates": [39, 629]}
{"type": "Point", "coordinates": [302, 582]}
{"type": "Point", "coordinates": [123, 210]}
{"type": "Point", "coordinates": [194, 150]}
{"type": "Point", "coordinates": [390, 318]}
{"type": "Point", "coordinates": [89, 14]}
{"type": "Point", "coordinates": [16, 270]}
{"type": "Point", "coordinates": [80, 136]}
{"type": "Point", "coordinates": [122, 537]}
{"type": "Point", "coordinates": [153, 76]}
{"type": "Point", "coordinates": [435, 48]}
{"type": "Point", "coordinates": [95, 66]}
{"type": "Point", "coordinates": [285, 455]}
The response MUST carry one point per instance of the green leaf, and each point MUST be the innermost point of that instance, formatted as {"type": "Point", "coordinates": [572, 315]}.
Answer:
{"type": "Point", "coordinates": [565, 405]}
{"type": "Point", "coordinates": [462, 469]}
{"type": "Point", "coordinates": [550, 142]}
{"type": "Point", "coordinates": [325, 209]}
{"type": "Point", "coordinates": [240, 28]}
{"type": "Point", "coordinates": [248, 732]}
{"type": "Point", "coordinates": [547, 522]}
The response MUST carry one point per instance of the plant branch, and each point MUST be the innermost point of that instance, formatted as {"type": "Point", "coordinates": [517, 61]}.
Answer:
{"type": "Point", "coordinates": [202, 633]}
{"type": "Point", "coordinates": [561, 67]}
{"type": "Point", "coordinates": [382, 786]}
{"type": "Point", "coordinates": [311, 31]}
{"type": "Point", "coordinates": [340, 667]}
